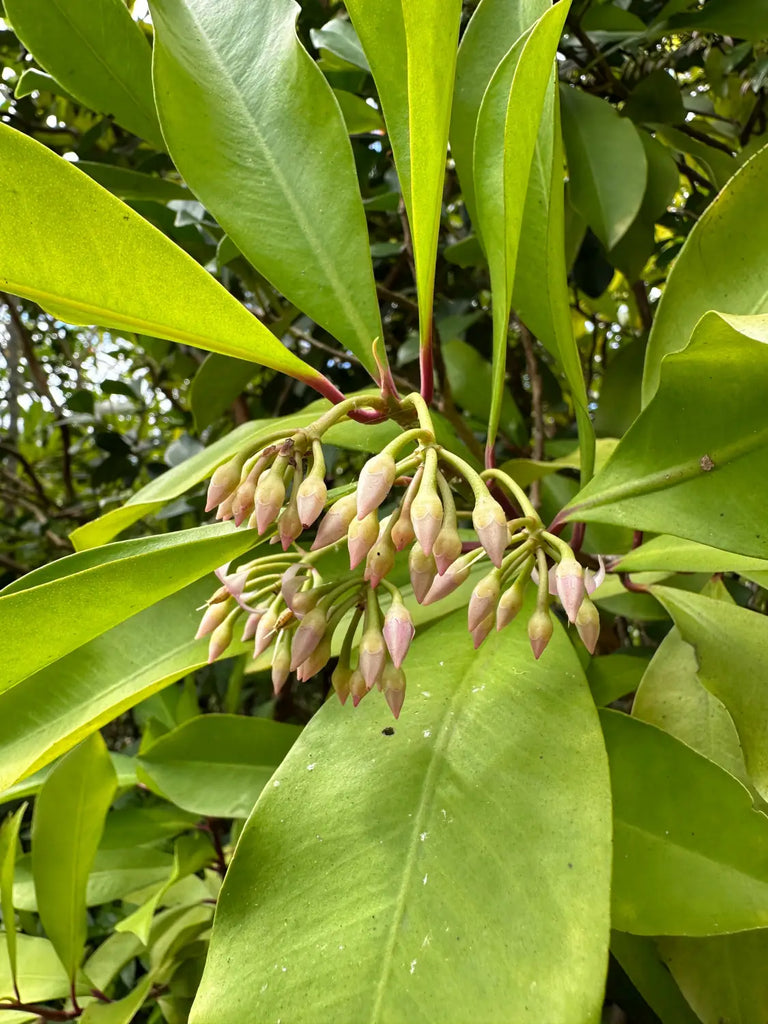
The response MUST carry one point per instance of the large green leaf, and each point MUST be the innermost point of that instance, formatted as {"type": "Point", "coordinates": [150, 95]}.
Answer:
{"type": "Point", "coordinates": [696, 459]}
{"type": "Point", "coordinates": [607, 165]}
{"type": "Point", "coordinates": [46, 621]}
{"type": "Point", "coordinates": [217, 765]}
{"type": "Point", "coordinates": [89, 259]}
{"type": "Point", "coordinates": [722, 977]}
{"type": "Point", "coordinates": [41, 975]}
{"type": "Point", "coordinates": [254, 128]}
{"type": "Point", "coordinates": [689, 850]}
{"type": "Point", "coordinates": [673, 554]}
{"type": "Point", "coordinates": [508, 125]}
{"type": "Point", "coordinates": [745, 19]}
{"type": "Point", "coordinates": [454, 869]}
{"type": "Point", "coordinates": [722, 266]}
{"type": "Point", "coordinates": [50, 711]}
{"type": "Point", "coordinates": [493, 28]}
{"type": "Point", "coordinates": [411, 48]}
{"type": "Point", "coordinates": [731, 649]}
{"type": "Point", "coordinates": [104, 60]}
{"type": "Point", "coordinates": [66, 828]}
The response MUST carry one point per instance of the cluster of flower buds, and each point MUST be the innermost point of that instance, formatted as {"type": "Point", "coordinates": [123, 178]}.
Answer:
{"type": "Point", "coordinates": [286, 601]}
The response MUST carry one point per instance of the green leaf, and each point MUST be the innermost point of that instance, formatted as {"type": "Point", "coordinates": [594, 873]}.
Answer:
{"type": "Point", "coordinates": [745, 19]}
{"type": "Point", "coordinates": [508, 125]}
{"type": "Point", "coordinates": [673, 554]}
{"type": "Point", "coordinates": [104, 61]}
{"type": "Point", "coordinates": [104, 588]}
{"type": "Point", "coordinates": [469, 377]}
{"type": "Point", "coordinates": [722, 977]}
{"type": "Point", "coordinates": [718, 166]}
{"type": "Point", "coordinates": [724, 636]}
{"type": "Point", "coordinates": [33, 80]}
{"type": "Point", "coordinates": [9, 841]}
{"type": "Point", "coordinates": [411, 49]}
{"type": "Point", "coordinates": [656, 98]}
{"type": "Point", "coordinates": [607, 165]}
{"type": "Point", "coordinates": [356, 860]}
{"type": "Point", "coordinates": [129, 184]}
{"type": "Point", "coordinates": [217, 765]}
{"type": "Point", "coordinates": [689, 850]}
{"type": "Point", "coordinates": [614, 675]}
{"type": "Point", "coordinates": [640, 961]}
{"type": "Point", "coordinates": [215, 387]}
{"type": "Point", "coordinates": [66, 829]}
{"type": "Point", "coordinates": [121, 1011]}
{"type": "Point", "coordinates": [493, 28]}
{"type": "Point", "coordinates": [254, 128]}
{"type": "Point", "coordinates": [147, 824]}
{"type": "Point", "coordinates": [40, 974]}
{"type": "Point", "coordinates": [126, 275]}
{"type": "Point", "coordinates": [722, 266]}
{"type": "Point", "coordinates": [671, 697]}
{"type": "Point", "coordinates": [359, 117]}
{"type": "Point", "coordinates": [711, 400]}
{"type": "Point", "coordinates": [339, 38]}
{"type": "Point", "coordinates": [50, 711]}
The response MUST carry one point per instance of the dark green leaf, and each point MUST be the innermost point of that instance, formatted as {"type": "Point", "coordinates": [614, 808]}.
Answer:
{"type": "Point", "coordinates": [129, 184]}
{"type": "Point", "coordinates": [640, 960]}
{"type": "Point", "coordinates": [656, 98]}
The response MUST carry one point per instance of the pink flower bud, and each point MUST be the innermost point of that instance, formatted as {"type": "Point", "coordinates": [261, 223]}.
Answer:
{"type": "Point", "coordinates": [213, 616]}
{"type": "Point", "coordinates": [422, 569]}
{"type": "Point", "coordinates": [357, 687]}
{"type": "Point", "coordinates": [242, 501]}
{"type": "Point", "coordinates": [510, 603]}
{"type": "Point", "coordinates": [310, 499]}
{"type": "Point", "coordinates": [482, 629]}
{"type": "Point", "coordinates": [592, 580]}
{"type": "Point", "coordinates": [540, 631]}
{"type": "Point", "coordinates": [398, 632]}
{"type": "Point", "coordinates": [373, 656]}
{"type": "Point", "coordinates": [361, 536]}
{"type": "Point", "coordinates": [456, 574]}
{"type": "Point", "coordinates": [393, 685]}
{"type": "Point", "coordinates": [340, 679]}
{"type": "Point", "coordinates": [483, 601]}
{"type": "Point", "coordinates": [426, 516]}
{"type": "Point", "coordinates": [291, 583]}
{"type": "Point", "coordinates": [490, 525]}
{"type": "Point", "coordinates": [221, 638]}
{"type": "Point", "coordinates": [223, 482]}
{"type": "Point", "coordinates": [588, 624]}
{"type": "Point", "coordinates": [381, 559]}
{"type": "Point", "coordinates": [336, 522]}
{"type": "Point", "coordinates": [317, 660]}
{"type": "Point", "coordinates": [402, 531]}
{"type": "Point", "coordinates": [569, 580]}
{"type": "Point", "coordinates": [270, 495]}
{"type": "Point", "coordinates": [289, 525]}
{"type": "Point", "coordinates": [308, 635]}
{"type": "Point", "coordinates": [265, 632]}
{"type": "Point", "coordinates": [447, 547]}
{"type": "Point", "coordinates": [374, 483]}
{"type": "Point", "coordinates": [250, 626]}
{"type": "Point", "coordinates": [224, 511]}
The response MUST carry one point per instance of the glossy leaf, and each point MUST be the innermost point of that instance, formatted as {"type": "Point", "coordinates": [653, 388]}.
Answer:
{"type": "Point", "coordinates": [508, 125]}
{"type": "Point", "coordinates": [217, 765]}
{"type": "Point", "coordinates": [9, 841]}
{"type": "Point", "coordinates": [490, 745]}
{"type": "Point", "coordinates": [493, 28]}
{"type": "Point", "coordinates": [607, 165]}
{"type": "Point", "coordinates": [359, 117]}
{"type": "Point", "coordinates": [129, 184]}
{"type": "Point", "coordinates": [104, 61]}
{"type": "Point", "coordinates": [339, 38]}
{"type": "Point", "coordinates": [673, 554]}
{"type": "Point", "coordinates": [103, 589]}
{"type": "Point", "coordinates": [724, 636]}
{"type": "Point", "coordinates": [745, 19]}
{"type": "Point", "coordinates": [689, 850]}
{"type": "Point", "coordinates": [50, 711]}
{"type": "Point", "coordinates": [721, 266]}
{"type": "Point", "coordinates": [722, 977]}
{"type": "Point", "coordinates": [75, 272]}
{"type": "Point", "coordinates": [612, 676]}
{"type": "Point", "coordinates": [254, 128]}
{"type": "Point", "coordinates": [66, 829]}
{"type": "Point", "coordinates": [711, 400]}
{"type": "Point", "coordinates": [411, 49]}
{"type": "Point", "coordinates": [671, 697]}
{"type": "Point", "coordinates": [640, 960]}
{"type": "Point", "coordinates": [41, 975]}
{"type": "Point", "coordinates": [121, 1011]}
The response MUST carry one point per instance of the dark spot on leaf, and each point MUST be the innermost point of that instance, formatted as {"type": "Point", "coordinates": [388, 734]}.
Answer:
{"type": "Point", "coordinates": [389, 731]}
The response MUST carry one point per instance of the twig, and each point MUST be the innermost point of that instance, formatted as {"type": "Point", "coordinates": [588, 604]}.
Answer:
{"type": "Point", "coordinates": [643, 305]}
{"type": "Point", "coordinates": [537, 408]}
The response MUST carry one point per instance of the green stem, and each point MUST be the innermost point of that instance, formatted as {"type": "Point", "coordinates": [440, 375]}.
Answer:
{"type": "Point", "coordinates": [422, 411]}
{"type": "Point", "coordinates": [516, 491]}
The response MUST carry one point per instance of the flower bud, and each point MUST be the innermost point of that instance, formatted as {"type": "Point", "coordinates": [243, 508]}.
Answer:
{"type": "Point", "coordinates": [393, 685]}
{"type": "Point", "coordinates": [588, 624]}
{"type": "Point", "coordinates": [336, 522]}
{"type": "Point", "coordinates": [361, 536]}
{"type": "Point", "coordinates": [317, 660]}
{"type": "Point", "coordinates": [340, 680]}
{"type": "Point", "coordinates": [398, 632]}
{"type": "Point", "coordinates": [357, 687]}
{"type": "Point", "coordinates": [482, 629]}
{"type": "Point", "coordinates": [308, 635]}
{"type": "Point", "coordinates": [569, 580]}
{"type": "Point", "coordinates": [402, 532]}
{"type": "Point", "coordinates": [422, 569]}
{"type": "Point", "coordinates": [281, 662]}
{"type": "Point", "coordinates": [213, 616]}
{"type": "Point", "coordinates": [510, 603]}
{"type": "Point", "coordinates": [456, 574]}
{"type": "Point", "coordinates": [381, 559]}
{"type": "Point", "coordinates": [447, 547]}
{"type": "Point", "coordinates": [311, 497]}
{"type": "Point", "coordinates": [490, 525]}
{"type": "Point", "coordinates": [224, 511]}
{"type": "Point", "coordinates": [426, 515]}
{"type": "Point", "coordinates": [374, 483]}
{"type": "Point", "coordinates": [289, 525]}
{"type": "Point", "coordinates": [484, 599]}
{"type": "Point", "coordinates": [223, 482]}
{"type": "Point", "coordinates": [243, 498]}
{"type": "Point", "coordinates": [250, 625]}
{"type": "Point", "coordinates": [270, 495]}
{"type": "Point", "coordinates": [373, 655]}
{"type": "Point", "coordinates": [221, 638]}
{"type": "Point", "coordinates": [265, 631]}
{"type": "Point", "coordinates": [540, 631]}
{"type": "Point", "coordinates": [291, 583]}
{"type": "Point", "coordinates": [303, 602]}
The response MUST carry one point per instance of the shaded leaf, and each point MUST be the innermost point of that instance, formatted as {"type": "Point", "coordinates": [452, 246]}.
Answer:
{"type": "Point", "coordinates": [129, 184]}
{"type": "Point", "coordinates": [612, 676]}
{"type": "Point", "coordinates": [745, 19]}
{"type": "Point", "coordinates": [9, 841]}
{"type": "Point", "coordinates": [120, 1011]}
{"type": "Point", "coordinates": [641, 962]}
{"type": "Point", "coordinates": [655, 98]}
